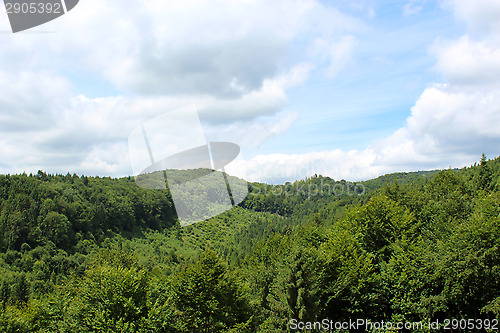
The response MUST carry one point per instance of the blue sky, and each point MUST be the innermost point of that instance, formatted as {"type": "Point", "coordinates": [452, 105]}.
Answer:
{"type": "Point", "coordinates": [372, 94]}
{"type": "Point", "coordinates": [348, 89]}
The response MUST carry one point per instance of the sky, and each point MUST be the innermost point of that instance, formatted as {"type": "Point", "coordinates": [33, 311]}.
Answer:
{"type": "Point", "coordinates": [347, 89]}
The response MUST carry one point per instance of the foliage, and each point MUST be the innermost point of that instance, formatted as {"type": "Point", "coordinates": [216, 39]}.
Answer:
{"type": "Point", "coordinates": [96, 254]}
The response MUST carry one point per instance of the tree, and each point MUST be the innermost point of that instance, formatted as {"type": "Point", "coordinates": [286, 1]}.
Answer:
{"type": "Point", "coordinates": [485, 175]}
{"type": "Point", "coordinates": [21, 290]}
{"type": "Point", "coordinates": [56, 228]}
{"type": "Point", "coordinates": [111, 296]}
{"type": "Point", "coordinates": [4, 294]}
{"type": "Point", "coordinates": [208, 297]}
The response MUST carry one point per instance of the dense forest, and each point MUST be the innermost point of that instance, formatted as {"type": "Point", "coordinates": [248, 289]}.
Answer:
{"type": "Point", "coordinates": [93, 254]}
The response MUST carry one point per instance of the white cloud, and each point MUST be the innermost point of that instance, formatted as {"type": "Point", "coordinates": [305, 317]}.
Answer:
{"type": "Point", "coordinates": [338, 53]}
{"type": "Point", "coordinates": [481, 16]}
{"type": "Point", "coordinates": [451, 123]}
{"type": "Point", "coordinates": [468, 62]}
{"type": "Point", "coordinates": [222, 48]}
{"type": "Point", "coordinates": [447, 127]}
{"type": "Point", "coordinates": [39, 93]}
{"type": "Point", "coordinates": [88, 135]}
{"type": "Point", "coordinates": [252, 134]}
{"type": "Point", "coordinates": [235, 61]}
{"type": "Point", "coordinates": [279, 168]}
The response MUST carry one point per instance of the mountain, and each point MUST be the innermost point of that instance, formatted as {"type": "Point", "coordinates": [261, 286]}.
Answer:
{"type": "Point", "coordinates": [90, 254]}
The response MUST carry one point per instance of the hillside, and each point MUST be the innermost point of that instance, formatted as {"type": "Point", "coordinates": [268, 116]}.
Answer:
{"type": "Point", "coordinates": [90, 254]}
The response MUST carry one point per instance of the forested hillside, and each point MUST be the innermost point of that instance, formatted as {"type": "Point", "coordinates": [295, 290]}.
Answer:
{"type": "Point", "coordinates": [89, 254]}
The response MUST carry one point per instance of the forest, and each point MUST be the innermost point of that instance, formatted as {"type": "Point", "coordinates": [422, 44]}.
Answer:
{"type": "Point", "coordinates": [99, 254]}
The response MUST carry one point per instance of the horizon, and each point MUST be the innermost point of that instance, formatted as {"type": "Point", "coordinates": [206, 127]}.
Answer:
{"type": "Point", "coordinates": [34, 174]}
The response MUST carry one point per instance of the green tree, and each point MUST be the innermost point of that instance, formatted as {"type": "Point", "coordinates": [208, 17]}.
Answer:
{"type": "Point", "coordinates": [485, 175]}
{"type": "Point", "coordinates": [472, 259]}
{"type": "Point", "coordinates": [4, 293]}
{"type": "Point", "coordinates": [209, 297]}
{"type": "Point", "coordinates": [21, 290]}
{"type": "Point", "coordinates": [57, 229]}
{"type": "Point", "coordinates": [111, 296]}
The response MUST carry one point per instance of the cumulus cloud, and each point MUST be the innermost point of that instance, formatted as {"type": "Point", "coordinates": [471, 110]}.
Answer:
{"type": "Point", "coordinates": [38, 91]}
{"type": "Point", "coordinates": [224, 49]}
{"type": "Point", "coordinates": [481, 16]}
{"type": "Point", "coordinates": [447, 127]}
{"type": "Point", "coordinates": [235, 61]}
{"type": "Point", "coordinates": [451, 124]}
{"type": "Point", "coordinates": [252, 134]}
{"type": "Point", "coordinates": [279, 168]}
{"type": "Point", "coordinates": [468, 62]}
{"type": "Point", "coordinates": [446, 124]}
{"type": "Point", "coordinates": [89, 135]}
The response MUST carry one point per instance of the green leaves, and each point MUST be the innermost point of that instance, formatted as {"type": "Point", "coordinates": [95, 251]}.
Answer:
{"type": "Point", "coordinates": [98, 255]}
{"type": "Point", "coordinates": [41, 208]}
{"type": "Point", "coordinates": [207, 297]}
{"type": "Point", "coordinates": [56, 228]}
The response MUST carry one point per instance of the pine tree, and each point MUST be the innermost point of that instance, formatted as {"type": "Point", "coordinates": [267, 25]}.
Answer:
{"type": "Point", "coordinates": [485, 175]}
